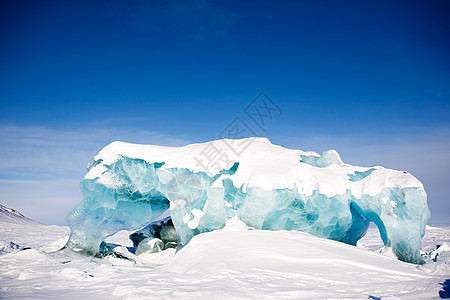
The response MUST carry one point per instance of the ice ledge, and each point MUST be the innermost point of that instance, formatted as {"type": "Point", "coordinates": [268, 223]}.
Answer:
{"type": "Point", "coordinates": [261, 164]}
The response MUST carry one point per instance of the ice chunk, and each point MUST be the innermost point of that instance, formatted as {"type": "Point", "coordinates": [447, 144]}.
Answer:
{"type": "Point", "coordinates": [106, 209]}
{"type": "Point", "coordinates": [440, 254]}
{"type": "Point", "coordinates": [162, 230]}
{"type": "Point", "coordinates": [149, 245]}
{"type": "Point", "coordinates": [360, 175]}
{"type": "Point", "coordinates": [328, 157]}
{"type": "Point", "coordinates": [265, 186]}
{"type": "Point", "coordinates": [11, 247]}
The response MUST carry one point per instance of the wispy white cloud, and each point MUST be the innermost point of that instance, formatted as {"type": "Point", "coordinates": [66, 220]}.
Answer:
{"type": "Point", "coordinates": [42, 151]}
{"type": "Point", "coordinates": [46, 201]}
{"type": "Point", "coordinates": [41, 167]}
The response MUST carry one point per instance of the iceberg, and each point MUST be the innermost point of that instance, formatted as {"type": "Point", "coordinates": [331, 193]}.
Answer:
{"type": "Point", "coordinates": [266, 186]}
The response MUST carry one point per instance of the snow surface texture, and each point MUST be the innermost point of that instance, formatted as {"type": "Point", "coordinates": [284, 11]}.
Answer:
{"type": "Point", "coordinates": [232, 263]}
{"type": "Point", "coordinates": [267, 186]}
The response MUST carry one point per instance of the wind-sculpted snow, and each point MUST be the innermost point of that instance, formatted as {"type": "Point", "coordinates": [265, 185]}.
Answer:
{"type": "Point", "coordinates": [266, 186]}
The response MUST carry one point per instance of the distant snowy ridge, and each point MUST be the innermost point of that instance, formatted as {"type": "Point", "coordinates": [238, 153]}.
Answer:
{"type": "Point", "coordinates": [11, 215]}
{"type": "Point", "coordinates": [10, 218]}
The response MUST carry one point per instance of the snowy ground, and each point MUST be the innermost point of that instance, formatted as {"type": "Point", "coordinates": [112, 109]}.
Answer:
{"type": "Point", "coordinates": [226, 264]}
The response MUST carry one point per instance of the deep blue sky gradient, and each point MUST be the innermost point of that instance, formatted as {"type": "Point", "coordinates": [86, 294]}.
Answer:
{"type": "Point", "coordinates": [373, 72]}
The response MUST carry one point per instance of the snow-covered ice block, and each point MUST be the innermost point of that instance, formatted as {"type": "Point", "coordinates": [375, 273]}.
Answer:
{"type": "Point", "coordinates": [266, 186]}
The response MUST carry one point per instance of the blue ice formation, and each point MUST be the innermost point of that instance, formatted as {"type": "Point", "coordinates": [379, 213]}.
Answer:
{"type": "Point", "coordinates": [360, 175]}
{"type": "Point", "coordinates": [327, 158]}
{"type": "Point", "coordinates": [327, 198]}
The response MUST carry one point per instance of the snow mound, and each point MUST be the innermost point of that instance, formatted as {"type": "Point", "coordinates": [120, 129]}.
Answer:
{"type": "Point", "coordinates": [223, 251]}
{"type": "Point", "coordinates": [230, 263]}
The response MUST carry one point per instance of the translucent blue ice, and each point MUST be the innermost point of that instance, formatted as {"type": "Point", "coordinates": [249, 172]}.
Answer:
{"type": "Point", "coordinates": [327, 158]}
{"type": "Point", "coordinates": [360, 175]}
{"type": "Point", "coordinates": [136, 192]}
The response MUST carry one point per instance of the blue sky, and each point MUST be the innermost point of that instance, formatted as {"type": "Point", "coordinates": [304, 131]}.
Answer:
{"type": "Point", "coordinates": [370, 79]}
